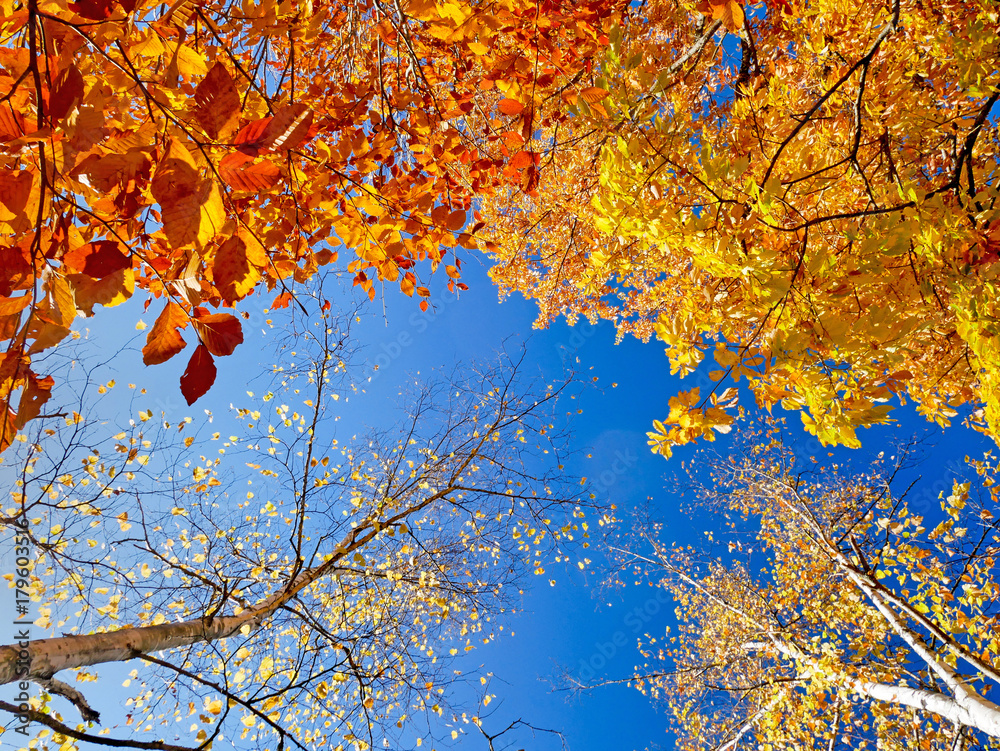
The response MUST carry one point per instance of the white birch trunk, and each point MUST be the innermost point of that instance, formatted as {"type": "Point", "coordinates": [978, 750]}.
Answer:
{"type": "Point", "coordinates": [46, 657]}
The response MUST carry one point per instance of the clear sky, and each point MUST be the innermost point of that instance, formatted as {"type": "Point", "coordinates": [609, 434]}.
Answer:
{"type": "Point", "coordinates": [576, 625]}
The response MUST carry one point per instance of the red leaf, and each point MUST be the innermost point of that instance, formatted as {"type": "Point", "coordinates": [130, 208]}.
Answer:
{"type": "Point", "coordinates": [164, 340]}
{"type": "Point", "coordinates": [96, 10]}
{"type": "Point", "coordinates": [15, 270]}
{"type": "Point", "coordinates": [97, 259]}
{"type": "Point", "coordinates": [199, 375]}
{"type": "Point", "coordinates": [221, 333]}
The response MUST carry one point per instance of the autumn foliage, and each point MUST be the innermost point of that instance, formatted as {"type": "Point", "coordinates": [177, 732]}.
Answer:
{"type": "Point", "coordinates": [200, 151]}
{"type": "Point", "coordinates": [835, 611]}
{"type": "Point", "coordinates": [805, 191]}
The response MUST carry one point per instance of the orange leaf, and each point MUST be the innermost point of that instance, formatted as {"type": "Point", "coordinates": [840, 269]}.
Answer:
{"type": "Point", "coordinates": [199, 375]}
{"type": "Point", "coordinates": [593, 94]}
{"type": "Point", "coordinates": [510, 107]}
{"type": "Point", "coordinates": [281, 301]}
{"type": "Point", "coordinates": [218, 103]}
{"type": "Point", "coordinates": [164, 340]}
{"type": "Point", "coordinates": [456, 220]}
{"type": "Point", "coordinates": [730, 12]}
{"type": "Point", "coordinates": [11, 124]}
{"type": "Point", "coordinates": [10, 306]}
{"type": "Point", "coordinates": [7, 427]}
{"type": "Point", "coordinates": [521, 160]}
{"type": "Point", "coordinates": [239, 171]}
{"type": "Point", "coordinates": [35, 394]}
{"type": "Point", "coordinates": [221, 333]}
{"type": "Point", "coordinates": [194, 218]}
{"type": "Point", "coordinates": [288, 128]}
{"type": "Point", "coordinates": [113, 289]}
{"type": "Point", "coordinates": [176, 175]}
{"type": "Point", "coordinates": [512, 138]}
{"type": "Point", "coordinates": [97, 259]}
{"type": "Point", "coordinates": [236, 269]}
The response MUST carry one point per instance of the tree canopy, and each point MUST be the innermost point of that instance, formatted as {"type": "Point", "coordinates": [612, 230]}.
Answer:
{"type": "Point", "coordinates": [200, 151]}
{"type": "Point", "coordinates": [804, 190]}
{"type": "Point", "coordinates": [839, 615]}
{"type": "Point", "coordinates": [279, 586]}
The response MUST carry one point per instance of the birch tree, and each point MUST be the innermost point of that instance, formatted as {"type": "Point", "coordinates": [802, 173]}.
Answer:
{"type": "Point", "coordinates": [846, 620]}
{"type": "Point", "coordinates": [283, 586]}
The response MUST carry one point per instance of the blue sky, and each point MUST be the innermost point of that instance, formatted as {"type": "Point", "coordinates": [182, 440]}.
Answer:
{"type": "Point", "coordinates": [575, 625]}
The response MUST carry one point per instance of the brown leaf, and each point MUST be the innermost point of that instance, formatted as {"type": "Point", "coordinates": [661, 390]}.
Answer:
{"type": "Point", "coordinates": [239, 171]}
{"type": "Point", "coordinates": [288, 128]}
{"type": "Point", "coordinates": [221, 333]}
{"type": "Point", "coordinates": [199, 375]}
{"type": "Point", "coordinates": [67, 93]}
{"type": "Point", "coordinates": [236, 268]}
{"type": "Point", "coordinates": [97, 259]}
{"type": "Point", "coordinates": [164, 340]}
{"type": "Point", "coordinates": [218, 103]}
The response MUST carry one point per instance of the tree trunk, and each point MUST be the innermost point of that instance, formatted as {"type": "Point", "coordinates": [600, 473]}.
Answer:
{"type": "Point", "coordinates": [46, 657]}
